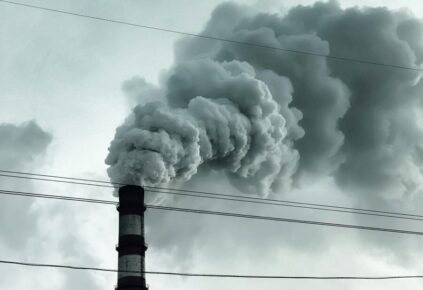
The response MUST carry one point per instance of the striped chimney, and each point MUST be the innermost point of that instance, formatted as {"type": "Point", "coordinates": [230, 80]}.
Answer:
{"type": "Point", "coordinates": [131, 247]}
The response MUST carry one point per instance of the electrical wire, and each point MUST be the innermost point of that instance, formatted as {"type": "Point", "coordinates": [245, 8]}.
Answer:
{"type": "Point", "coordinates": [287, 220]}
{"type": "Point", "coordinates": [58, 197]}
{"type": "Point", "coordinates": [229, 197]}
{"type": "Point", "coordinates": [213, 275]}
{"type": "Point", "coordinates": [221, 213]}
{"type": "Point", "coordinates": [214, 38]}
{"type": "Point", "coordinates": [28, 194]}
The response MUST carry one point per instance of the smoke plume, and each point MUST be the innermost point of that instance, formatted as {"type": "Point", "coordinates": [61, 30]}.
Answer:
{"type": "Point", "coordinates": [220, 115]}
{"type": "Point", "coordinates": [270, 119]}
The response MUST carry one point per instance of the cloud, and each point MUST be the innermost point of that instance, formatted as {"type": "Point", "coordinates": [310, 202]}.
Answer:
{"type": "Point", "coordinates": [26, 225]}
{"type": "Point", "coordinates": [21, 145]}
{"type": "Point", "coordinates": [20, 148]}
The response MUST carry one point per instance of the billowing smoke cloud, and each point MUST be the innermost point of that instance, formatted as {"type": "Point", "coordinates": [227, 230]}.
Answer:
{"type": "Point", "coordinates": [221, 115]}
{"type": "Point", "coordinates": [268, 118]}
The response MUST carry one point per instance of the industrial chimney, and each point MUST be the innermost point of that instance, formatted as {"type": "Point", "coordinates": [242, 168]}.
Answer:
{"type": "Point", "coordinates": [131, 247]}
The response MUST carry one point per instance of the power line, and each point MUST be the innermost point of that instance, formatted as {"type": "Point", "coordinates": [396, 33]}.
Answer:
{"type": "Point", "coordinates": [287, 220]}
{"type": "Point", "coordinates": [101, 201]}
{"type": "Point", "coordinates": [210, 37]}
{"type": "Point", "coordinates": [214, 275]}
{"type": "Point", "coordinates": [229, 197]}
{"type": "Point", "coordinates": [58, 197]}
{"type": "Point", "coordinates": [63, 177]}
{"type": "Point", "coordinates": [55, 180]}
{"type": "Point", "coordinates": [222, 213]}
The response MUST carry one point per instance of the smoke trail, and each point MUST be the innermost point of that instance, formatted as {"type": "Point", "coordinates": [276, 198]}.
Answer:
{"type": "Point", "coordinates": [267, 118]}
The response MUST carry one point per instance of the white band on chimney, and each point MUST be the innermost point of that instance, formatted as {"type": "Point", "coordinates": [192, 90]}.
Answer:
{"type": "Point", "coordinates": [130, 224]}
{"type": "Point", "coordinates": [131, 263]}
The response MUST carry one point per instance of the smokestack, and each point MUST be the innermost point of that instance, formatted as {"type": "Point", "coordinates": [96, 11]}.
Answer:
{"type": "Point", "coordinates": [131, 247]}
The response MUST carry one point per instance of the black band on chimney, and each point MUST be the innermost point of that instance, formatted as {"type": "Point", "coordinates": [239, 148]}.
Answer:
{"type": "Point", "coordinates": [125, 208]}
{"type": "Point", "coordinates": [131, 240]}
{"type": "Point", "coordinates": [131, 194]}
{"type": "Point", "coordinates": [131, 251]}
{"type": "Point", "coordinates": [131, 283]}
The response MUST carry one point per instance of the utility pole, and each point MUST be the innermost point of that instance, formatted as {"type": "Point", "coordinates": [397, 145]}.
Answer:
{"type": "Point", "coordinates": [131, 247]}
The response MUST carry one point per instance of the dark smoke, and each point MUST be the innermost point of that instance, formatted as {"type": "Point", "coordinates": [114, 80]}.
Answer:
{"type": "Point", "coordinates": [268, 118]}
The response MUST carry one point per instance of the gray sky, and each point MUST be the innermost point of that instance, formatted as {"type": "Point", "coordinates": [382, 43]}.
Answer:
{"type": "Point", "coordinates": [66, 74]}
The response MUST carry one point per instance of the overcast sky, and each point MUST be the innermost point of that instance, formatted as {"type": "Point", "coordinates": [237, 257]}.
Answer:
{"type": "Point", "coordinates": [62, 100]}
